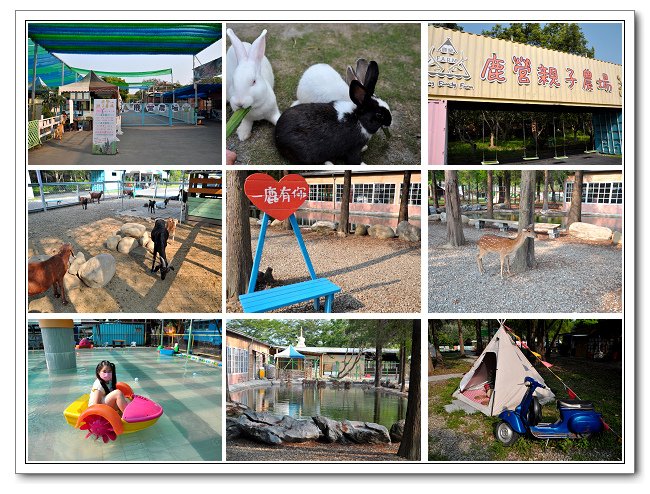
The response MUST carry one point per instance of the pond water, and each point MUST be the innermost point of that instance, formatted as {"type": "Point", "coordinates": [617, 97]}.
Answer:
{"type": "Point", "coordinates": [613, 222]}
{"type": "Point", "coordinates": [308, 218]}
{"type": "Point", "coordinates": [338, 404]}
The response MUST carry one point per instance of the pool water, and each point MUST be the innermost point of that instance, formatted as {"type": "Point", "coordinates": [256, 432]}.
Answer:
{"type": "Point", "coordinates": [189, 392]}
{"type": "Point", "coordinates": [355, 403]}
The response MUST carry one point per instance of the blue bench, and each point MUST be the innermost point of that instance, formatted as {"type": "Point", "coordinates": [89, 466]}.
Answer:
{"type": "Point", "coordinates": [282, 296]}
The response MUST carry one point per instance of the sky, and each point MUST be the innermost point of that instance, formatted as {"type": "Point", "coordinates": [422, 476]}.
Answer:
{"type": "Point", "coordinates": [606, 38]}
{"type": "Point", "coordinates": [181, 65]}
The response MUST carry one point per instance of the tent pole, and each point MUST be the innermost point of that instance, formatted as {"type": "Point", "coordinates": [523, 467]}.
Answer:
{"type": "Point", "coordinates": [34, 82]}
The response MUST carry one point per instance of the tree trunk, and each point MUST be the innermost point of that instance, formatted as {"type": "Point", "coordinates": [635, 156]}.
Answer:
{"type": "Point", "coordinates": [575, 212]}
{"type": "Point", "coordinates": [502, 194]}
{"type": "Point", "coordinates": [378, 363]}
{"type": "Point", "coordinates": [344, 220]}
{"type": "Point", "coordinates": [404, 200]}
{"type": "Point", "coordinates": [455, 235]}
{"type": "Point", "coordinates": [524, 258]}
{"type": "Point", "coordinates": [433, 329]}
{"type": "Point", "coordinates": [238, 239]}
{"type": "Point", "coordinates": [546, 181]}
{"type": "Point", "coordinates": [409, 448]}
{"type": "Point", "coordinates": [436, 199]}
{"type": "Point", "coordinates": [507, 177]}
{"type": "Point", "coordinates": [461, 343]}
{"type": "Point", "coordinates": [547, 353]}
{"type": "Point", "coordinates": [479, 338]}
{"type": "Point", "coordinates": [490, 196]}
{"type": "Point", "coordinates": [402, 366]}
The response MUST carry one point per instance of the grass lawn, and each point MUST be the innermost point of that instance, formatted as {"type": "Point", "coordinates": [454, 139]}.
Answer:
{"type": "Point", "coordinates": [460, 437]}
{"type": "Point", "coordinates": [292, 48]}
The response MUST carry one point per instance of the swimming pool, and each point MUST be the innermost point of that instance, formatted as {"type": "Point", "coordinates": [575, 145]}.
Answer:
{"type": "Point", "coordinates": [189, 392]}
{"type": "Point", "coordinates": [355, 403]}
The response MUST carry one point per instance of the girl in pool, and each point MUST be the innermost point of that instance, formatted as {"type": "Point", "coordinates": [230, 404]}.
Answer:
{"type": "Point", "coordinates": [104, 388]}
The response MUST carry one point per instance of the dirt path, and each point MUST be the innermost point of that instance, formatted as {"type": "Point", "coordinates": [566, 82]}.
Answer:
{"type": "Point", "coordinates": [194, 285]}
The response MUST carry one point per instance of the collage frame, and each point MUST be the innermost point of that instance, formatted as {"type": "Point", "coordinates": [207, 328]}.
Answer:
{"type": "Point", "coordinates": [627, 314]}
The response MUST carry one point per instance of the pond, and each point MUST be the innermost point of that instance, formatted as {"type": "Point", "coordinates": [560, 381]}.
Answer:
{"type": "Point", "coordinates": [308, 218]}
{"type": "Point", "coordinates": [355, 403]}
{"type": "Point", "coordinates": [613, 222]}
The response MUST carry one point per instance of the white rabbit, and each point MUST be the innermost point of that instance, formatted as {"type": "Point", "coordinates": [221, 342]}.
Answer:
{"type": "Point", "coordinates": [249, 82]}
{"type": "Point", "coordinates": [321, 84]}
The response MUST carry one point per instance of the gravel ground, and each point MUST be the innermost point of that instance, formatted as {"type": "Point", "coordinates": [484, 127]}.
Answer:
{"type": "Point", "coordinates": [375, 275]}
{"type": "Point", "coordinates": [571, 276]}
{"type": "Point", "coordinates": [194, 286]}
{"type": "Point", "coordinates": [245, 450]}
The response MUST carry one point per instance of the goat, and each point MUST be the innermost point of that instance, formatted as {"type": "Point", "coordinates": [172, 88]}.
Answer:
{"type": "Point", "coordinates": [84, 202]}
{"type": "Point", "coordinates": [159, 235]}
{"type": "Point", "coordinates": [128, 193]}
{"type": "Point", "coordinates": [96, 195]}
{"type": "Point", "coordinates": [44, 274]}
{"type": "Point", "coordinates": [171, 227]}
{"type": "Point", "coordinates": [151, 205]}
{"type": "Point", "coordinates": [163, 204]}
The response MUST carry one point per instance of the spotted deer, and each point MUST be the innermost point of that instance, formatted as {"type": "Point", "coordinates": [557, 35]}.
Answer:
{"type": "Point", "coordinates": [503, 245]}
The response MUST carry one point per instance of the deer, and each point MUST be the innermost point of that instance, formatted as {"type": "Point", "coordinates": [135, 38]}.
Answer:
{"type": "Point", "coordinates": [503, 245]}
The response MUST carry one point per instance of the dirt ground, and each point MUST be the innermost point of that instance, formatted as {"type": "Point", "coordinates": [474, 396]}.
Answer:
{"type": "Point", "coordinates": [246, 450]}
{"type": "Point", "coordinates": [375, 275]}
{"type": "Point", "coordinates": [194, 285]}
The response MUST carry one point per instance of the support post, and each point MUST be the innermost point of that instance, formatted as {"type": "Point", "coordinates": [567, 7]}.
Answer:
{"type": "Point", "coordinates": [258, 254]}
{"type": "Point", "coordinates": [34, 82]}
{"type": "Point", "coordinates": [189, 340]}
{"type": "Point", "coordinates": [40, 188]}
{"type": "Point", "coordinates": [58, 343]}
{"type": "Point", "coordinates": [301, 244]}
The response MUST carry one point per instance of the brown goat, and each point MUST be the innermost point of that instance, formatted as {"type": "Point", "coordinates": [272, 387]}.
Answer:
{"type": "Point", "coordinates": [44, 274]}
{"type": "Point", "coordinates": [170, 224]}
{"type": "Point", "coordinates": [95, 195]}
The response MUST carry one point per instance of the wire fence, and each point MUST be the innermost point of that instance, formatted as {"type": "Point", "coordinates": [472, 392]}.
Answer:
{"type": "Point", "coordinates": [51, 195]}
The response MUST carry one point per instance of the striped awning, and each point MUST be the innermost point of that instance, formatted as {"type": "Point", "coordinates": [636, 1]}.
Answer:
{"type": "Point", "coordinates": [122, 38]}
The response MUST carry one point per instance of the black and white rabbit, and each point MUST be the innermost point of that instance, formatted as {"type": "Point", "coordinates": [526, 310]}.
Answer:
{"type": "Point", "coordinates": [314, 133]}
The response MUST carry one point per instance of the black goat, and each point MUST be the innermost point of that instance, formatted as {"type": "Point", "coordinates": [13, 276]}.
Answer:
{"type": "Point", "coordinates": [159, 235]}
{"type": "Point", "coordinates": [151, 205]}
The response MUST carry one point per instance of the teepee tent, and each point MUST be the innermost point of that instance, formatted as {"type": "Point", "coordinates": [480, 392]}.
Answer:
{"type": "Point", "coordinates": [502, 369]}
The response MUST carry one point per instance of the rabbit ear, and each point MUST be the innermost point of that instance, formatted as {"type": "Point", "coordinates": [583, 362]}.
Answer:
{"type": "Point", "coordinates": [357, 93]}
{"type": "Point", "coordinates": [362, 68]}
{"type": "Point", "coordinates": [258, 48]}
{"type": "Point", "coordinates": [371, 76]}
{"type": "Point", "coordinates": [350, 75]}
{"type": "Point", "coordinates": [240, 49]}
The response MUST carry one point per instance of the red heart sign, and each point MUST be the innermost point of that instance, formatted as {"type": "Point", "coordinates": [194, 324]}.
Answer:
{"type": "Point", "coordinates": [278, 199]}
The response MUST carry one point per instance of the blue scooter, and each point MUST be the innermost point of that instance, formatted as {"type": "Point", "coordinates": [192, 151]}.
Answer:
{"type": "Point", "coordinates": [577, 419]}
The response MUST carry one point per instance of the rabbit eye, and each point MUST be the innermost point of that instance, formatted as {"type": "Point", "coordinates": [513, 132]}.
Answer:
{"type": "Point", "coordinates": [379, 115]}
{"type": "Point", "coordinates": [253, 83]}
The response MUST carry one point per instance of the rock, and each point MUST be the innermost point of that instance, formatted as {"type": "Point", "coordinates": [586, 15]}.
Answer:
{"type": "Point", "coordinates": [464, 219]}
{"type": "Point", "coordinates": [277, 223]}
{"type": "Point", "coordinates": [408, 232]}
{"type": "Point", "coordinates": [149, 246]}
{"type": "Point", "coordinates": [365, 432]}
{"type": "Point", "coordinates": [135, 230]}
{"type": "Point", "coordinates": [434, 217]}
{"type": "Point", "coordinates": [617, 238]}
{"type": "Point", "coordinates": [254, 221]}
{"type": "Point", "coordinates": [76, 263]}
{"type": "Point", "coordinates": [381, 231]}
{"type": "Point", "coordinates": [299, 431]}
{"type": "Point", "coordinates": [472, 222]}
{"type": "Point", "coordinates": [361, 230]}
{"type": "Point", "coordinates": [232, 428]}
{"type": "Point", "coordinates": [262, 417]}
{"type": "Point", "coordinates": [588, 231]}
{"type": "Point", "coordinates": [397, 431]}
{"type": "Point", "coordinates": [259, 431]}
{"type": "Point", "coordinates": [98, 270]}
{"type": "Point", "coordinates": [144, 239]}
{"type": "Point", "coordinates": [127, 244]}
{"type": "Point", "coordinates": [234, 408]}
{"type": "Point", "coordinates": [443, 217]}
{"type": "Point", "coordinates": [330, 429]}
{"type": "Point", "coordinates": [112, 241]}
{"type": "Point", "coordinates": [71, 282]}
{"type": "Point", "coordinates": [324, 226]}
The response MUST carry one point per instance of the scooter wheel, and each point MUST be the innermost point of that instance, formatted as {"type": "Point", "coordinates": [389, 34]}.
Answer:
{"type": "Point", "coordinates": [506, 434]}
